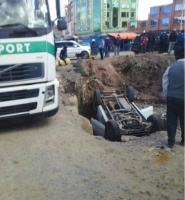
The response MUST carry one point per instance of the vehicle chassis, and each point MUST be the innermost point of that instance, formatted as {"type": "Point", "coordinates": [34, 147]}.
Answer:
{"type": "Point", "coordinates": [115, 108]}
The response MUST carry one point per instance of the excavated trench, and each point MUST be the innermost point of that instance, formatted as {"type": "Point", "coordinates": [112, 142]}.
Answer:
{"type": "Point", "coordinates": [143, 72]}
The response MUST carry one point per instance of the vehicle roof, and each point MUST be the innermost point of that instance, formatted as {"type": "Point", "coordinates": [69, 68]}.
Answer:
{"type": "Point", "coordinates": [62, 41]}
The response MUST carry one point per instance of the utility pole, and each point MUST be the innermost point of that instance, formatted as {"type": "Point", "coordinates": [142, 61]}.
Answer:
{"type": "Point", "coordinates": [181, 20]}
{"type": "Point", "coordinates": [58, 8]}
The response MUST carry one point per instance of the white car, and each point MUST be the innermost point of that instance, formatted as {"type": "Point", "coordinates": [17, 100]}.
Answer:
{"type": "Point", "coordinates": [74, 49]}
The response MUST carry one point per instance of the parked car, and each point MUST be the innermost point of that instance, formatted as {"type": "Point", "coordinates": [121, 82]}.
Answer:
{"type": "Point", "coordinates": [117, 115]}
{"type": "Point", "coordinates": [74, 49]}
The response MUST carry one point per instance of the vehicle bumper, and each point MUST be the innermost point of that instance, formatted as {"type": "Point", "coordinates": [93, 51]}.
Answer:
{"type": "Point", "coordinates": [27, 103]}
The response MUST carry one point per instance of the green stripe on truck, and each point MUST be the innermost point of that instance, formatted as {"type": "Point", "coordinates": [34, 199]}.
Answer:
{"type": "Point", "coordinates": [7, 48]}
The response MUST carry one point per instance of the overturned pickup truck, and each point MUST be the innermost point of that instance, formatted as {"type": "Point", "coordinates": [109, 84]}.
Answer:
{"type": "Point", "coordinates": [116, 115]}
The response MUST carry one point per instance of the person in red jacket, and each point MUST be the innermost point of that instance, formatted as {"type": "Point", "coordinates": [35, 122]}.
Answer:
{"type": "Point", "coordinates": [144, 43]}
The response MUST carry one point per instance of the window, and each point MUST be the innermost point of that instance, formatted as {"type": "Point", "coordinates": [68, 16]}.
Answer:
{"type": "Point", "coordinates": [154, 11]}
{"type": "Point", "coordinates": [108, 5]}
{"type": "Point", "coordinates": [125, 14]}
{"type": "Point", "coordinates": [133, 5]}
{"type": "Point", "coordinates": [59, 45]}
{"type": "Point", "coordinates": [108, 14]}
{"type": "Point", "coordinates": [124, 24]}
{"type": "Point", "coordinates": [107, 24]}
{"type": "Point", "coordinates": [133, 24]}
{"type": "Point", "coordinates": [165, 21]}
{"type": "Point", "coordinates": [124, 5]}
{"type": "Point", "coordinates": [143, 24]}
{"type": "Point", "coordinates": [115, 17]}
{"type": "Point", "coordinates": [167, 9]}
{"type": "Point", "coordinates": [180, 6]}
{"type": "Point", "coordinates": [132, 14]}
{"type": "Point", "coordinates": [153, 22]}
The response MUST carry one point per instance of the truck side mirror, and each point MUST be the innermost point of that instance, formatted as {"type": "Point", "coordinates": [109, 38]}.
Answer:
{"type": "Point", "coordinates": [61, 24]}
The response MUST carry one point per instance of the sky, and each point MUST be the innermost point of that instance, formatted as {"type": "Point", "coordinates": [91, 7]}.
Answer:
{"type": "Point", "coordinates": [144, 7]}
{"type": "Point", "coordinates": [143, 10]}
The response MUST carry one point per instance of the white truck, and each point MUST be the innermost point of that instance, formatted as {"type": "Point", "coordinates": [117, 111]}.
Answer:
{"type": "Point", "coordinates": [28, 84]}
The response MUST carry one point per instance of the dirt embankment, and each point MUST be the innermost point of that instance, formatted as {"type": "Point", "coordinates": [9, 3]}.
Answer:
{"type": "Point", "coordinates": [144, 72]}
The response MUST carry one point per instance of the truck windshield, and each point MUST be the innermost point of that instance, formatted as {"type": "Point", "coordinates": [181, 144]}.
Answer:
{"type": "Point", "coordinates": [23, 18]}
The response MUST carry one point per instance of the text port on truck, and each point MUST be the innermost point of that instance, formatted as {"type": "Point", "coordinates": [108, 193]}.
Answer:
{"type": "Point", "coordinates": [28, 84]}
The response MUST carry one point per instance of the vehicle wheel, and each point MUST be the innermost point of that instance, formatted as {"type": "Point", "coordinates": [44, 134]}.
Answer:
{"type": "Point", "coordinates": [96, 100]}
{"type": "Point", "coordinates": [85, 54]}
{"type": "Point", "coordinates": [157, 123]}
{"type": "Point", "coordinates": [112, 131]}
{"type": "Point", "coordinates": [131, 93]}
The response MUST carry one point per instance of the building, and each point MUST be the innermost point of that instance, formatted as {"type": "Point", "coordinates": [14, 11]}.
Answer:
{"type": "Point", "coordinates": [70, 17]}
{"type": "Point", "coordinates": [102, 16]}
{"type": "Point", "coordinates": [118, 15]}
{"type": "Point", "coordinates": [178, 15]}
{"type": "Point", "coordinates": [167, 17]}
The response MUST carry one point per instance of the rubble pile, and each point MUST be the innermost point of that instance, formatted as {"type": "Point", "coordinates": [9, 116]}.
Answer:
{"type": "Point", "coordinates": [144, 73]}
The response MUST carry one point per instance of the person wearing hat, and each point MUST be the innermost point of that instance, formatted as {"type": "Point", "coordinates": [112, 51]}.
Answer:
{"type": "Point", "coordinates": [93, 47]}
{"type": "Point", "coordinates": [173, 90]}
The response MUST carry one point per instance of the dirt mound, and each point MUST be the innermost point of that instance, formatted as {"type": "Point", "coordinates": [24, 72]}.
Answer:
{"type": "Point", "coordinates": [144, 72]}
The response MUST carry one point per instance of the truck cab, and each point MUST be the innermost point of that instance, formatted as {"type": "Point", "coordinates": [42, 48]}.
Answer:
{"type": "Point", "coordinates": [28, 84]}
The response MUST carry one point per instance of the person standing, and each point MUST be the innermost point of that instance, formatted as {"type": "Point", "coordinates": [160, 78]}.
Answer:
{"type": "Point", "coordinates": [107, 46]}
{"type": "Point", "coordinates": [101, 48]}
{"type": "Point", "coordinates": [144, 43]}
{"type": "Point", "coordinates": [93, 47]}
{"type": "Point", "coordinates": [172, 40]}
{"type": "Point", "coordinates": [173, 89]}
{"type": "Point", "coordinates": [180, 39]}
{"type": "Point", "coordinates": [163, 42]}
{"type": "Point", "coordinates": [117, 44]}
{"type": "Point", "coordinates": [151, 42]}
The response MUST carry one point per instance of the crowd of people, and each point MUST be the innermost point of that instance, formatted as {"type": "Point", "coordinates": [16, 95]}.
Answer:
{"type": "Point", "coordinates": [163, 42]}
{"type": "Point", "coordinates": [105, 45]}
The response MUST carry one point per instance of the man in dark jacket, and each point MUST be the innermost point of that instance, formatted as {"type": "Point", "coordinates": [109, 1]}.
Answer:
{"type": "Point", "coordinates": [163, 44]}
{"type": "Point", "coordinates": [173, 89]}
{"type": "Point", "coordinates": [107, 46]}
{"type": "Point", "coordinates": [63, 54]}
{"type": "Point", "coordinates": [151, 42]}
{"type": "Point", "coordinates": [172, 40]}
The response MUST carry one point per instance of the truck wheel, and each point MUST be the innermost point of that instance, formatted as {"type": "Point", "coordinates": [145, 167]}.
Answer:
{"type": "Point", "coordinates": [157, 123]}
{"type": "Point", "coordinates": [112, 131]}
{"type": "Point", "coordinates": [97, 101]}
{"type": "Point", "coordinates": [85, 55]}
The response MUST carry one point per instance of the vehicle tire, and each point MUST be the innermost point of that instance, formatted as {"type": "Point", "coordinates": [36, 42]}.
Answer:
{"type": "Point", "coordinates": [112, 131]}
{"type": "Point", "coordinates": [131, 93]}
{"type": "Point", "coordinates": [97, 101]}
{"type": "Point", "coordinates": [85, 55]}
{"type": "Point", "coordinates": [158, 124]}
